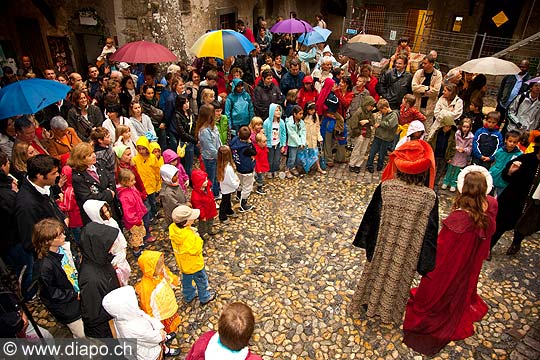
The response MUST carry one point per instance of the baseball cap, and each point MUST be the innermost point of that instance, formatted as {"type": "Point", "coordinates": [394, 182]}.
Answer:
{"type": "Point", "coordinates": [183, 213]}
{"type": "Point", "coordinates": [123, 66]}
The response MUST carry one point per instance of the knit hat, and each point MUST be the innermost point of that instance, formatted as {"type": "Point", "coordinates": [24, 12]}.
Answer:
{"type": "Point", "coordinates": [413, 157]}
{"type": "Point", "coordinates": [120, 149]}
{"type": "Point", "coordinates": [474, 168]}
{"type": "Point", "coordinates": [183, 213]}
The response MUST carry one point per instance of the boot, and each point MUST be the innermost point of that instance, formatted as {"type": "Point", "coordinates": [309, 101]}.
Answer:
{"type": "Point", "coordinates": [244, 206]}
{"type": "Point", "coordinates": [260, 190]}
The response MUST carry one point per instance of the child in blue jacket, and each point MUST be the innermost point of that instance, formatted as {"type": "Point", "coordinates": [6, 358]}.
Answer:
{"type": "Point", "coordinates": [487, 141]}
{"type": "Point", "coordinates": [276, 138]}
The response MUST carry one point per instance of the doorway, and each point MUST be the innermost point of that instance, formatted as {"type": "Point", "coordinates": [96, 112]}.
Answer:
{"type": "Point", "coordinates": [89, 49]}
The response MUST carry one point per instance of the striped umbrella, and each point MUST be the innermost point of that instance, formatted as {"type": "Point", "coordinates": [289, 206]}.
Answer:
{"type": "Point", "coordinates": [222, 44]}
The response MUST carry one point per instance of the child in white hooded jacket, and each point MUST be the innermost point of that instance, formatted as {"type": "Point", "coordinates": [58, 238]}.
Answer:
{"type": "Point", "coordinates": [100, 212]}
{"type": "Point", "coordinates": [131, 322]}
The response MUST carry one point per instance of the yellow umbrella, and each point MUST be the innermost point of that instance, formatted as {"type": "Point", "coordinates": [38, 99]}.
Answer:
{"type": "Point", "coordinates": [368, 39]}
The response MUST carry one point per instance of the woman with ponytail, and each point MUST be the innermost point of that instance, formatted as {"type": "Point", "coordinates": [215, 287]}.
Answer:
{"type": "Point", "coordinates": [445, 305]}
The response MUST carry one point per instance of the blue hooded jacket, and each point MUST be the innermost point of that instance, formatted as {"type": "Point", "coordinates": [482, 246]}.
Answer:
{"type": "Point", "coordinates": [486, 142]}
{"type": "Point", "coordinates": [243, 153]}
{"type": "Point", "coordinates": [267, 126]}
{"type": "Point", "coordinates": [238, 107]}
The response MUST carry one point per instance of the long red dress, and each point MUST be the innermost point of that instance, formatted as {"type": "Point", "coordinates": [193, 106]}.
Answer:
{"type": "Point", "coordinates": [445, 305]}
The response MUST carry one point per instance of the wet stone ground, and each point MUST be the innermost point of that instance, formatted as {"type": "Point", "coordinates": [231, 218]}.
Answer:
{"type": "Point", "coordinates": [291, 260]}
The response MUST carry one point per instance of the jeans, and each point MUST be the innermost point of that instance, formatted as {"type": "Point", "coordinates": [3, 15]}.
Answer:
{"type": "Point", "coordinates": [211, 166]}
{"type": "Point", "coordinates": [274, 157]}
{"type": "Point", "coordinates": [259, 179]}
{"type": "Point", "coordinates": [291, 161]}
{"type": "Point", "coordinates": [381, 147]}
{"type": "Point", "coordinates": [201, 281]}
{"type": "Point", "coordinates": [18, 258]}
{"type": "Point", "coordinates": [187, 160]}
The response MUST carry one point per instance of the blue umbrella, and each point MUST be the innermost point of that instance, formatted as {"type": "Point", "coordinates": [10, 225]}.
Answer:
{"type": "Point", "coordinates": [318, 35]}
{"type": "Point", "coordinates": [29, 96]}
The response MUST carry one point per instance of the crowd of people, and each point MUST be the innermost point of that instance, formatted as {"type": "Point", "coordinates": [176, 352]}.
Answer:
{"type": "Point", "coordinates": [133, 145]}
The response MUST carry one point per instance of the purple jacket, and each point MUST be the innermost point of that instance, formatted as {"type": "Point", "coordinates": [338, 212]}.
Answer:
{"type": "Point", "coordinates": [462, 159]}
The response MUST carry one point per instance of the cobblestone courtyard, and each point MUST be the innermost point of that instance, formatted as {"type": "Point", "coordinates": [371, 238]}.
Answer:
{"type": "Point", "coordinates": [292, 261]}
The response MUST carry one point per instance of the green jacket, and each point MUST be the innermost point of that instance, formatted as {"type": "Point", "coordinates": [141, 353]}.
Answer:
{"type": "Point", "coordinates": [388, 125]}
{"type": "Point", "coordinates": [451, 147]}
{"type": "Point", "coordinates": [362, 114]}
{"type": "Point", "coordinates": [223, 127]}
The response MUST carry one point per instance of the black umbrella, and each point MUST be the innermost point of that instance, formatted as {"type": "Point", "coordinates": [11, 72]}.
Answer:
{"type": "Point", "coordinates": [361, 52]}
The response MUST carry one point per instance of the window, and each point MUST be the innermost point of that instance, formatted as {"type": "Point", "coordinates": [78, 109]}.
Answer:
{"type": "Point", "coordinates": [456, 25]}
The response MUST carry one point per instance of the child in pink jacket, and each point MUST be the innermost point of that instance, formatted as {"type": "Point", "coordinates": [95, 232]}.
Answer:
{"type": "Point", "coordinates": [134, 211]}
{"type": "Point", "coordinates": [69, 206]}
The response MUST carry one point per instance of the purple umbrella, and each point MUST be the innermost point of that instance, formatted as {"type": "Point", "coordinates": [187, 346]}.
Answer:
{"type": "Point", "coordinates": [292, 26]}
{"type": "Point", "coordinates": [535, 80]}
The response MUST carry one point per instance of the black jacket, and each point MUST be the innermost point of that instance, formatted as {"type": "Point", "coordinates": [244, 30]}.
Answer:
{"type": "Point", "coordinates": [83, 126]}
{"type": "Point", "coordinates": [185, 134]}
{"type": "Point", "coordinates": [8, 199]}
{"type": "Point", "coordinates": [44, 116]}
{"type": "Point", "coordinates": [264, 96]}
{"type": "Point", "coordinates": [55, 290]}
{"type": "Point", "coordinates": [366, 237]}
{"type": "Point", "coordinates": [32, 207]}
{"type": "Point", "coordinates": [97, 277]}
{"type": "Point", "coordinates": [393, 88]}
{"type": "Point", "coordinates": [507, 84]}
{"type": "Point", "coordinates": [86, 187]}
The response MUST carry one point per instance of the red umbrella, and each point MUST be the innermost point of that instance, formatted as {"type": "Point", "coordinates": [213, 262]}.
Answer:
{"type": "Point", "coordinates": [144, 52]}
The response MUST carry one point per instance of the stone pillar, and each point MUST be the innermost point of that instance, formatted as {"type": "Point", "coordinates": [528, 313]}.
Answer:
{"type": "Point", "coordinates": [168, 27]}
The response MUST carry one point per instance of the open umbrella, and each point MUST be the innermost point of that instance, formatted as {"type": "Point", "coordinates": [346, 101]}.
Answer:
{"type": "Point", "coordinates": [222, 44]}
{"type": "Point", "coordinates": [291, 26]}
{"type": "Point", "coordinates": [490, 66]}
{"type": "Point", "coordinates": [361, 52]}
{"type": "Point", "coordinates": [318, 35]}
{"type": "Point", "coordinates": [29, 96]}
{"type": "Point", "coordinates": [144, 52]}
{"type": "Point", "coordinates": [533, 80]}
{"type": "Point", "coordinates": [367, 39]}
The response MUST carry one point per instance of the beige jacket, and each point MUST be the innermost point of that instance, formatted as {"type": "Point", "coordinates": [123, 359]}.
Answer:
{"type": "Point", "coordinates": [419, 90]}
{"type": "Point", "coordinates": [313, 131]}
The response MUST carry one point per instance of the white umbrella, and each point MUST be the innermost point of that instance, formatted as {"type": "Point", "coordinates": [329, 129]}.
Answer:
{"type": "Point", "coordinates": [368, 39]}
{"type": "Point", "coordinates": [490, 66]}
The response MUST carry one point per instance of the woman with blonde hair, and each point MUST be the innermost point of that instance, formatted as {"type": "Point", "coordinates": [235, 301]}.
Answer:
{"type": "Point", "coordinates": [90, 181]}
{"type": "Point", "coordinates": [446, 304]}
{"type": "Point", "coordinates": [20, 154]}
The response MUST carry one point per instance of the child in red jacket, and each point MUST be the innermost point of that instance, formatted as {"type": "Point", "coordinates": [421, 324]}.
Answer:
{"type": "Point", "coordinates": [134, 211]}
{"type": "Point", "coordinates": [202, 198]}
{"type": "Point", "coordinates": [68, 204]}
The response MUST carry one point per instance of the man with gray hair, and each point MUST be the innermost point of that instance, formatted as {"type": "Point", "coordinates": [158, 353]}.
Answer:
{"type": "Point", "coordinates": [319, 75]}
{"type": "Point", "coordinates": [117, 75]}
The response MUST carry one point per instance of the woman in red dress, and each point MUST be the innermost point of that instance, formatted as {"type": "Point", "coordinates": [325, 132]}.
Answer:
{"type": "Point", "coordinates": [445, 305]}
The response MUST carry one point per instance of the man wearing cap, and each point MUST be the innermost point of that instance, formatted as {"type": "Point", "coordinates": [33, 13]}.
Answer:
{"type": "Point", "coordinates": [125, 69]}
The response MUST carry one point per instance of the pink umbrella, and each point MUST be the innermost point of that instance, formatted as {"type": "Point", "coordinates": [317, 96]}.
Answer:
{"type": "Point", "coordinates": [145, 52]}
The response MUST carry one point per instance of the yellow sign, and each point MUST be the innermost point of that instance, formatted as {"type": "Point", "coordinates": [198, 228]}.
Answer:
{"type": "Point", "coordinates": [500, 19]}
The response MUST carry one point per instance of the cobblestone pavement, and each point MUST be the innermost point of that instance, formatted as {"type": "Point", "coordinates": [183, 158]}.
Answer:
{"type": "Point", "coordinates": [292, 261]}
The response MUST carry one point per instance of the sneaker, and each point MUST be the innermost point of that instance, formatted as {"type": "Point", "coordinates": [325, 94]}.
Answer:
{"type": "Point", "coordinates": [170, 337]}
{"type": "Point", "coordinates": [226, 221]}
{"type": "Point", "coordinates": [295, 172]}
{"type": "Point", "coordinates": [212, 297]}
{"type": "Point", "coordinates": [288, 175]}
{"type": "Point", "coordinates": [352, 168]}
{"type": "Point", "coordinates": [217, 206]}
{"type": "Point", "coordinates": [171, 352]}
{"type": "Point", "coordinates": [216, 198]}
{"type": "Point", "coordinates": [452, 188]}
{"type": "Point", "coordinates": [245, 207]}
{"type": "Point", "coordinates": [260, 190]}
{"type": "Point", "coordinates": [370, 170]}
{"type": "Point", "coordinates": [150, 239]}
{"type": "Point", "coordinates": [444, 186]}
{"type": "Point", "coordinates": [268, 175]}
{"type": "Point", "coordinates": [233, 215]}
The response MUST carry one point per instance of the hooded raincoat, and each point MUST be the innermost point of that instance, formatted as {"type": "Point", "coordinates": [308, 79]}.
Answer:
{"type": "Point", "coordinates": [131, 322]}
{"type": "Point", "coordinates": [238, 106]}
{"type": "Point", "coordinates": [203, 198]}
{"type": "Point", "coordinates": [155, 292]}
{"type": "Point", "coordinates": [148, 167]}
{"type": "Point", "coordinates": [171, 194]}
{"type": "Point", "coordinates": [97, 277]}
{"type": "Point", "coordinates": [119, 261]}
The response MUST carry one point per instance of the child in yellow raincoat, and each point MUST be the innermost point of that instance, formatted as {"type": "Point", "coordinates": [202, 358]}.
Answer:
{"type": "Point", "coordinates": [155, 290]}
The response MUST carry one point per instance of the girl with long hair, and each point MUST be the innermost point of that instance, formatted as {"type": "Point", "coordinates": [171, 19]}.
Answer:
{"type": "Point", "coordinates": [210, 142]}
{"type": "Point", "coordinates": [228, 182]}
{"type": "Point", "coordinates": [185, 127]}
{"type": "Point", "coordinates": [449, 104]}
{"type": "Point", "coordinates": [445, 305]}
